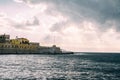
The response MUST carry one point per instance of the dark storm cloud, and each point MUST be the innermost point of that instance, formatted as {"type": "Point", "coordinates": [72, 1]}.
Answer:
{"type": "Point", "coordinates": [97, 11]}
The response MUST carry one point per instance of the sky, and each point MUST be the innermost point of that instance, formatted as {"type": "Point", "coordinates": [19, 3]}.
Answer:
{"type": "Point", "coordinates": [75, 25]}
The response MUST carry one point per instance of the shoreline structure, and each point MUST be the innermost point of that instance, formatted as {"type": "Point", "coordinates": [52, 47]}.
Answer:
{"type": "Point", "coordinates": [24, 46]}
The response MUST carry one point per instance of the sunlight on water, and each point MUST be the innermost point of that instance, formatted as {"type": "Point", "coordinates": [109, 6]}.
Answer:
{"type": "Point", "coordinates": [58, 67]}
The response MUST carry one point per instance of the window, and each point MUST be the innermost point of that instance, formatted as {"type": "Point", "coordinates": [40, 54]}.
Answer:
{"type": "Point", "coordinates": [12, 46]}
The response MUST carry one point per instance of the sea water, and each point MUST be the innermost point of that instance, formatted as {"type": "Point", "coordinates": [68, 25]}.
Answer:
{"type": "Point", "coordinates": [79, 66]}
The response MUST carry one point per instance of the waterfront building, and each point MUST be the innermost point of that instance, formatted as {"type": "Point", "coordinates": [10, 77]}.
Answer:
{"type": "Point", "coordinates": [23, 45]}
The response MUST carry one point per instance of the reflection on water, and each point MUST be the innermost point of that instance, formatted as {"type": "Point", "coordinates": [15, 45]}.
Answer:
{"type": "Point", "coordinates": [60, 67]}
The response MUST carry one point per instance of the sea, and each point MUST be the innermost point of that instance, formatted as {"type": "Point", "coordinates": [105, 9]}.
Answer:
{"type": "Point", "coordinates": [78, 66]}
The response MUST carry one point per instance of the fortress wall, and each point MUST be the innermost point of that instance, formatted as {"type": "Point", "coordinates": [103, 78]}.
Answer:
{"type": "Point", "coordinates": [22, 51]}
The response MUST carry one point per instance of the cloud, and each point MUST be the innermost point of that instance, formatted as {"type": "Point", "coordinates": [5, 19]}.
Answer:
{"type": "Point", "coordinates": [2, 15]}
{"type": "Point", "coordinates": [19, 1]}
{"type": "Point", "coordinates": [58, 27]}
{"type": "Point", "coordinates": [3, 21]}
{"type": "Point", "coordinates": [26, 24]}
{"type": "Point", "coordinates": [33, 23]}
{"type": "Point", "coordinates": [90, 24]}
{"type": "Point", "coordinates": [96, 11]}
